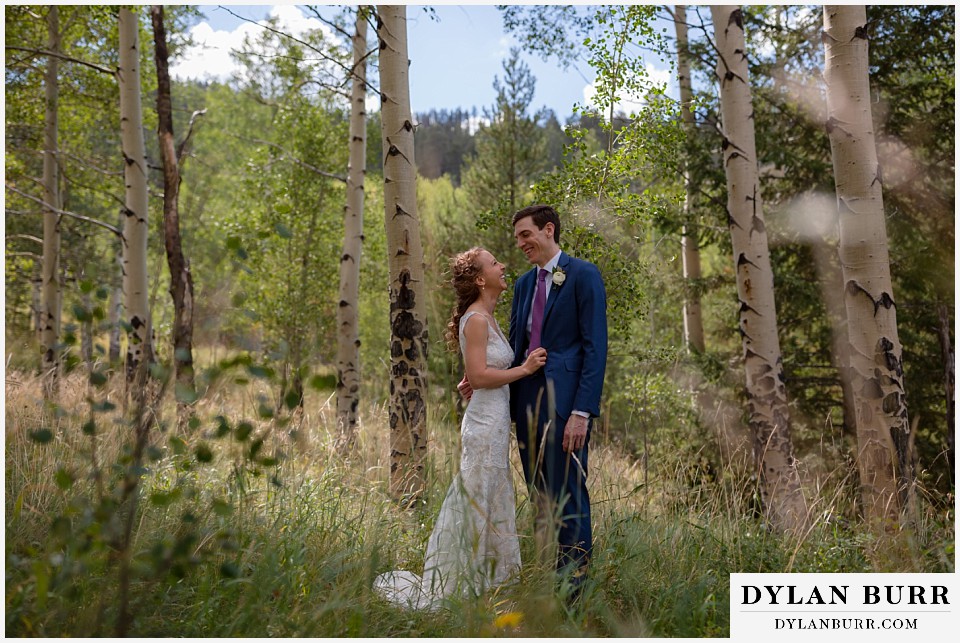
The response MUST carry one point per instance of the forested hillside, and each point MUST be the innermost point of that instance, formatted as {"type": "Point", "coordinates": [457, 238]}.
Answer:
{"type": "Point", "coordinates": [229, 402]}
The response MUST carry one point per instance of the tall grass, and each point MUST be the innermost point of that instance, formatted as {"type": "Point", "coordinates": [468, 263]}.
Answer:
{"type": "Point", "coordinates": [288, 544]}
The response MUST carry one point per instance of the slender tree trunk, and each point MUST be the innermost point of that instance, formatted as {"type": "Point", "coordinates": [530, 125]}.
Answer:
{"type": "Point", "coordinates": [116, 299]}
{"type": "Point", "coordinates": [86, 331]}
{"type": "Point", "coordinates": [767, 399]}
{"type": "Point", "coordinates": [348, 346]}
{"type": "Point", "coordinates": [883, 431]}
{"type": "Point", "coordinates": [408, 322]}
{"type": "Point", "coordinates": [36, 306]}
{"type": "Point", "coordinates": [949, 381]}
{"type": "Point", "coordinates": [50, 299]}
{"type": "Point", "coordinates": [135, 229]}
{"type": "Point", "coordinates": [181, 281]}
{"type": "Point", "coordinates": [689, 239]}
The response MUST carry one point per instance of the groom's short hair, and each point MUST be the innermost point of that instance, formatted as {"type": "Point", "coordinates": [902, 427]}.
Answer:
{"type": "Point", "coordinates": [542, 215]}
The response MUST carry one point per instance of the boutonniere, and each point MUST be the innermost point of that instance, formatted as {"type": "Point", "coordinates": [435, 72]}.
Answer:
{"type": "Point", "coordinates": [559, 276]}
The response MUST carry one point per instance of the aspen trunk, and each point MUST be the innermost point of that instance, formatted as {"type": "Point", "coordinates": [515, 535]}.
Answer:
{"type": "Point", "coordinates": [181, 281]}
{"type": "Point", "coordinates": [116, 300]}
{"type": "Point", "coordinates": [780, 488]}
{"type": "Point", "coordinates": [408, 322]}
{"type": "Point", "coordinates": [876, 357]}
{"type": "Point", "coordinates": [689, 238]}
{"type": "Point", "coordinates": [135, 228]}
{"type": "Point", "coordinates": [50, 298]}
{"type": "Point", "coordinates": [348, 346]}
{"type": "Point", "coordinates": [949, 379]}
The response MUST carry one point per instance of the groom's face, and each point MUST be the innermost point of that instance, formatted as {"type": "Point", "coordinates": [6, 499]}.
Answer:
{"type": "Point", "coordinates": [535, 243]}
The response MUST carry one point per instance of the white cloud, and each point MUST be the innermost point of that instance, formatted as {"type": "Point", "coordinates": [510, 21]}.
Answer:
{"type": "Point", "coordinates": [631, 103]}
{"type": "Point", "coordinates": [209, 58]}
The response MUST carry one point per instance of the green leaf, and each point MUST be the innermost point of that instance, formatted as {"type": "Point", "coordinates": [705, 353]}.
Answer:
{"type": "Point", "coordinates": [178, 445]}
{"type": "Point", "coordinates": [184, 393]}
{"type": "Point", "coordinates": [161, 499]}
{"type": "Point", "coordinates": [229, 570]}
{"type": "Point", "coordinates": [262, 372]}
{"type": "Point", "coordinates": [323, 382]}
{"type": "Point", "coordinates": [283, 231]}
{"type": "Point", "coordinates": [89, 427]}
{"type": "Point", "coordinates": [221, 507]}
{"type": "Point", "coordinates": [159, 372]}
{"type": "Point", "coordinates": [292, 399]}
{"type": "Point", "coordinates": [41, 436]}
{"type": "Point", "coordinates": [244, 429]}
{"type": "Point", "coordinates": [81, 313]}
{"type": "Point", "coordinates": [255, 447]}
{"type": "Point", "coordinates": [223, 426]}
{"type": "Point", "coordinates": [203, 453]}
{"type": "Point", "coordinates": [194, 423]}
{"type": "Point", "coordinates": [63, 478]}
{"type": "Point", "coordinates": [98, 378]}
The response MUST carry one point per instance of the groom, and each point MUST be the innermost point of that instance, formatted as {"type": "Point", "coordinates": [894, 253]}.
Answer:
{"type": "Point", "coordinates": [560, 305]}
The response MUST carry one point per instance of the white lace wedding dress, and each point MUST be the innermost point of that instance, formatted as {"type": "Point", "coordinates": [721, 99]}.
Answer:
{"type": "Point", "coordinates": [474, 544]}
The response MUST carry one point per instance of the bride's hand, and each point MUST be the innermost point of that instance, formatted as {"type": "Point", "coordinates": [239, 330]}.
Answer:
{"type": "Point", "coordinates": [535, 360]}
{"type": "Point", "coordinates": [466, 391]}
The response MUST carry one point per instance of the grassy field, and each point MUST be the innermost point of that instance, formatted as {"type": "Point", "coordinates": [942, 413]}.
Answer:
{"type": "Point", "coordinates": [249, 524]}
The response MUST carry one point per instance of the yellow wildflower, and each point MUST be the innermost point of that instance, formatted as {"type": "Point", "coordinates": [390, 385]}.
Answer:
{"type": "Point", "coordinates": [508, 620]}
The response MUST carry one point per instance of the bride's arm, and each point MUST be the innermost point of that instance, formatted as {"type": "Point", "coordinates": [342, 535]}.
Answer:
{"type": "Point", "coordinates": [475, 332]}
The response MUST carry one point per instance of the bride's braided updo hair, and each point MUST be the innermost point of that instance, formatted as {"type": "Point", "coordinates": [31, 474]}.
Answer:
{"type": "Point", "coordinates": [465, 268]}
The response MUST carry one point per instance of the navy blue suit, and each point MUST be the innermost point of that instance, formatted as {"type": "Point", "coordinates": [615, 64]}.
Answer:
{"type": "Point", "coordinates": [575, 337]}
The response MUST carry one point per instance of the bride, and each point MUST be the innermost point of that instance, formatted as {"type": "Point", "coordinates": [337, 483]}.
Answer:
{"type": "Point", "coordinates": [474, 544]}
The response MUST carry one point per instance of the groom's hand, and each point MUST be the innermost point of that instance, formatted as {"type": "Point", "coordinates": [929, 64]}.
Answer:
{"type": "Point", "coordinates": [466, 391]}
{"type": "Point", "coordinates": [574, 433]}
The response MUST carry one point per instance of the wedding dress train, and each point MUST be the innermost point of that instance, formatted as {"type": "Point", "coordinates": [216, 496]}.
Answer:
{"type": "Point", "coordinates": [474, 544]}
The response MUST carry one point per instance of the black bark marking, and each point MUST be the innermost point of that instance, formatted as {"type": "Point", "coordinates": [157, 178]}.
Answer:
{"type": "Point", "coordinates": [887, 359]}
{"type": "Point", "coordinates": [742, 260]}
{"type": "Point", "coordinates": [731, 221]}
{"type": "Point", "coordinates": [736, 17]}
{"type": "Point", "coordinates": [744, 307]}
{"type": "Point", "coordinates": [860, 32]}
{"type": "Point", "coordinates": [885, 300]}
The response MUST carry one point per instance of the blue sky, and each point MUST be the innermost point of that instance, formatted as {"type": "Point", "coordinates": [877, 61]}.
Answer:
{"type": "Point", "coordinates": [453, 57]}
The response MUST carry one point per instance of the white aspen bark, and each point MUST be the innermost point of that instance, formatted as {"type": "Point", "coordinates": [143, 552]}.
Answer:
{"type": "Point", "coordinates": [135, 228]}
{"type": "Point", "coordinates": [689, 239]}
{"type": "Point", "coordinates": [348, 345]}
{"type": "Point", "coordinates": [876, 356]}
{"type": "Point", "coordinates": [50, 297]}
{"type": "Point", "coordinates": [35, 306]}
{"type": "Point", "coordinates": [408, 320]}
{"type": "Point", "coordinates": [784, 505]}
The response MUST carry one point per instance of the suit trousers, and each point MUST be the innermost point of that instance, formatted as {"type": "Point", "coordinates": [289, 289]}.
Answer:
{"type": "Point", "coordinates": [553, 471]}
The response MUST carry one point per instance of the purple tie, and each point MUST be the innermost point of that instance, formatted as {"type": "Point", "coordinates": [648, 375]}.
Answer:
{"type": "Point", "coordinates": [539, 303]}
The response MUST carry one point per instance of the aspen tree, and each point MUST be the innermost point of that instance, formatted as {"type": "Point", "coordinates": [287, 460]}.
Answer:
{"type": "Point", "coordinates": [769, 416]}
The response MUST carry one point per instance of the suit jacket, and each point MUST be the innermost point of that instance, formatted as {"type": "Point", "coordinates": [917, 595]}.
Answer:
{"type": "Point", "coordinates": [574, 334]}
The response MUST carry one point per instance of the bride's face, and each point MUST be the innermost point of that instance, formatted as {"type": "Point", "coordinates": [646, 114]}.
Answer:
{"type": "Point", "coordinates": [492, 273]}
